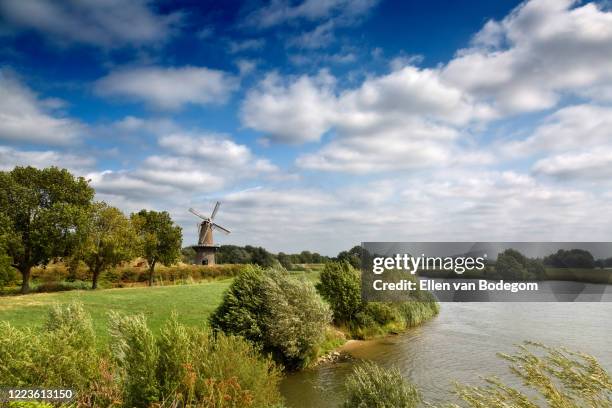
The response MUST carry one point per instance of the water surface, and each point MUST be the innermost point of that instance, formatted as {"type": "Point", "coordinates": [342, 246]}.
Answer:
{"type": "Point", "coordinates": [461, 345]}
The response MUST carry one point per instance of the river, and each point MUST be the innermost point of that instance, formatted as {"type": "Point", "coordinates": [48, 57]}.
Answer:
{"type": "Point", "coordinates": [461, 345]}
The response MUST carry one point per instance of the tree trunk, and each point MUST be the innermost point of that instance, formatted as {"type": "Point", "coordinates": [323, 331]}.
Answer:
{"type": "Point", "coordinates": [151, 272]}
{"type": "Point", "coordinates": [25, 273]}
{"type": "Point", "coordinates": [96, 274]}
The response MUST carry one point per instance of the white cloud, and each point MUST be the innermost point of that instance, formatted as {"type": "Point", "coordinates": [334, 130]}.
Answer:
{"type": "Point", "coordinates": [570, 128]}
{"type": "Point", "coordinates": [108, 23]}
{"type": "Point", "coordinates": [26, 118]}
{"type": "Point", "coordinates": [169, 88]}
{"type": "Point", "coordinates": [464, 205]}
{"type": "Point", "coordinates": [11, 157]}
{"type": "Point", "coordinates": [282, 11]}
{"type": "Point", "coordinates": [539, 51]}
{"type": "Point", "coordinates": [296, 113]}
{"type": "Point", "coordinates": [590, 165]}
{"type": "Point", "coordinates": [252, 44]}
{"type": "Point", "coordinates": [192, 164]}
{"type": "Point", "coordinates": [406, 119]}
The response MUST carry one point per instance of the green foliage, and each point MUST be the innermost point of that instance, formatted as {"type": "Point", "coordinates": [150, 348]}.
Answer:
{"type": "Point", "coordinates": [553, 377]}
{"type": "Point", "coordinates": [513, 265]}
{"type": "Point", "coordinates": [295, 319]}
{"type": "Point", "coordinates": [284, 315]}
{"type": "Point", "coordinates": [159, 238]}
{"type": "Point", "coordinates": [352, 256]}
{"type": "Point", "coordinates": [136, 353]}
{"type": "Point", "coordinates": [573, 258]}
{"type": "Point", "coordinates": [340, 286]}
{"type": "Point", "coordinates": [508, 267]}
{"type": "Point", "coordinates": [371, 386]}
{"type": "Point", "coordinates": [63, 352]}
{"type": "Point", "coordinates": [109, 240]}
{"type": "Point", "coordinates": [182, 367]}
{"type": "Point", "coordinates": [381, 313]}
{"type": "Point", "coordinates": [45, 210]}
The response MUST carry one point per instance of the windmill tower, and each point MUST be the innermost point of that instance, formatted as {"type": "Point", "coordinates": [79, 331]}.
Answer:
{"type": "Point", "coordinates": [205, 250]}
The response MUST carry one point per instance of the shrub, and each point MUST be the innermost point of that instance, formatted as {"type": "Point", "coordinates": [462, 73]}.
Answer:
{"type": "Point", "coordinates": [340, 286]}
{"type": "Point", "coordinates": [136, 353]}
{"type": "Point", "coordinates": [371, 386]}
{"type": "Point", "coordinates": [62, 353]}
{"type": "Point", "coordinates": [282, 314]}
{"type": "Point", "coordinates": [295, 320]}
{"type": "Point", "coordinates": [183, 367]}
{"type": "Point", "coordinates": [382, 313]}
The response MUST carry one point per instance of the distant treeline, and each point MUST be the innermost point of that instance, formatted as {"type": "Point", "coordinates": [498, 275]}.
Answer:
{"type": "Point", "coordinates": [234, 254]}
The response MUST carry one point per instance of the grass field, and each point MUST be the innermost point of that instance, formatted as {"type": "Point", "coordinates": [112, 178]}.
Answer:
{"type": "Point", "coordinates": [193, 303]}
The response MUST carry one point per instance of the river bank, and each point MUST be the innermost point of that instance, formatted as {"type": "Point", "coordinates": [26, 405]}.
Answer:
{"type": "Point", "coordinates": [461, 344]}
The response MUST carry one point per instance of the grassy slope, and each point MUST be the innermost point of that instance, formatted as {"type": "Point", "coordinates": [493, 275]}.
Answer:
{"type": "Point", "coordinates": [194, 303]}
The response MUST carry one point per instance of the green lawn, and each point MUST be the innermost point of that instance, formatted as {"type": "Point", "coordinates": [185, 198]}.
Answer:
{"type": "Point", "coordinates": [193, 303]}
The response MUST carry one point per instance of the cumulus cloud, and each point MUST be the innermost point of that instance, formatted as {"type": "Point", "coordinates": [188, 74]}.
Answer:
{"type": "Point", "coordinates": [169, 88]}
{"type": "Point", "coordinates": [108, 23]}
{"type": "Point", "coordinates": [405, 119]}
{"type": "Point", "coordinates": [24, 117]}
{"type": "Point", "coordinates": [11, 157]}
{"type": "Point", "coordinates": [465, 205]}
{"type": "Point", "coordinates": [590, 165]}
{"type": "Point", "coordinates": [542, 49]}
{"type": "Point", "coordinates": [192, 163]}
{"type": "Point", "coordinates": [292, 113]}
{"type": "Point", "coordinates": [569, 128]}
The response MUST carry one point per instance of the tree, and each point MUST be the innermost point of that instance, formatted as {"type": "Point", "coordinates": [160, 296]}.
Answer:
{"type": "Point", "coordinates": [573, 258]}
{"type": "Point", "coordinates": [340, 285]}
{"type": "Point", "coordinates": [508, 267]}
{"type": "Point", "coordinates": [109, 240]}
{"type": "Point", "coordinates": [7, 272]}
{"type": "Point", "coordinates": [159, 238]}
{"type": "Point", "coordinates": [352, 256]}
{"type": "Point", "coordinates": [45, 210]}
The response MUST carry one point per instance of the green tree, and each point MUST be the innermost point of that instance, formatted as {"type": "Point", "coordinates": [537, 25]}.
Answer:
{"type": "Point", "coordinates": [352, 256]}
{"type": "Point", "coordinates": [341, 286]}
{"type": "Point", "coordinates": [109, 240]}
{"type": "Point", "coordinates": [7, 272]}
{"type": "Point", "coordinates": [45, 210]}
{"type": "Point", "coordinates": [159, 239]}
{"type": "Point", "coordinates": [508, 267]}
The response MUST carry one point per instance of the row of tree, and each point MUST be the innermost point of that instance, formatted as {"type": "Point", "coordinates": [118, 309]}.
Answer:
{"type": "Point", "coordinates": [50, 214]}
{"type": "Point", "coordinates": [234, 254]}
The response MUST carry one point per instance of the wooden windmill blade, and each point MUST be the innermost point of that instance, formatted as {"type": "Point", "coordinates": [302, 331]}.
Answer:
{"type": "Point", "coordinates": [197, 214]}
{"type": "Point", "coordinates": [212, 217]}
{"type": "Point", "coordinates": [217, 226]}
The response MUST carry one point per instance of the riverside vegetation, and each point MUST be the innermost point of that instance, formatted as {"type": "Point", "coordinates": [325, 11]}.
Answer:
{"type": "Point", "coordinates": [181, 366]}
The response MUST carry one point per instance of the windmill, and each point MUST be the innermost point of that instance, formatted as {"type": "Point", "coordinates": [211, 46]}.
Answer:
{"type": "Point", "coordinates": [205, 250]}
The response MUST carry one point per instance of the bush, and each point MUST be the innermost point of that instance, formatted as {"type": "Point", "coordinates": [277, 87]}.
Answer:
{"type": "Point", "coordinates": [283, 315]}
{"type": "Point", "coordinates": [63, 352]}
{"type": "Point", "coordinates": [340, 286]}
{"type": "Point", "coordinates": [381, 313]}
{"type": "Point", "coordinates": [136, 353]}
{"type": "Point", "coordinates": [371, 386]}
{"type": "Point", "coordinates": [183, 367]}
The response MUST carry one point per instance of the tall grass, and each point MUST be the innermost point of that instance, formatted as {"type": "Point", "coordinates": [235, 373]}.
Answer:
{"type": "Point", "coordinates": [371, 386]}
{"type": "Point", "coordinates": [551, 377]}
{"type": "Point", "coordinates": [183, 367]}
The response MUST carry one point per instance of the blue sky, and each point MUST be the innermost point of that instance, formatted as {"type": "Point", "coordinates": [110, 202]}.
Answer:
{"type": "Point", "coordinates": [322, 123]}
